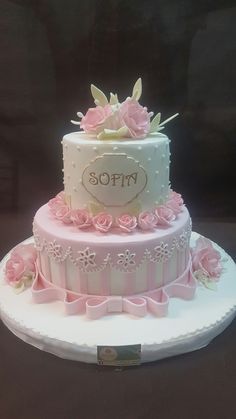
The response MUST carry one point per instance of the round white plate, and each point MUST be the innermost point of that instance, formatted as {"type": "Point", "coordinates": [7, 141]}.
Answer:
{"type": "Point", "coordinates": [190, 325]}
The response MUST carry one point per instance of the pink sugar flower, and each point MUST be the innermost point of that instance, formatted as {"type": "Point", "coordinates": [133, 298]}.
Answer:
{"type": "Point", "coordinates": [95, 118]}
{"type": "Point", "coordinates": [175, 202]}
{"type": "Point", "coordinates": [57, 202]}
{"type": "Point", "coordinates": [126, 222]}
{"type": "Point", "coordinates": [147, 220]}
{"type": "Point", "coordinates": [177, 197]}
{"type": "Point", "coordinates": [135, 117]}
{"type": "Point", "coordinates": [164, 215]}
{"type": "Point", "coordinates": [20, 268]}
{"type": "Point", "coordinates": [81, 218]}
{"type": "Point", "coordinates": [206, 259]}
{"type": "Point", "coordinates": [63, 213]}
{"type": "Point", "coordinates": [102, 222]}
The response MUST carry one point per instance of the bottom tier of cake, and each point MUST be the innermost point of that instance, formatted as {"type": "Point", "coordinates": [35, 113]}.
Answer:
{"type": "Point", "coordinates": [93, 263]}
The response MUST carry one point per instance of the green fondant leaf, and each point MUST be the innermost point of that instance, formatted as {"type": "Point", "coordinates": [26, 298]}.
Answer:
{"type": "Point", "coordinates": [113, 99]}
{"type": "Point", "coordinates": [169, 119]}
{"type": "Point", "coordinates": [108, 134]}
{"type": "Point", "coordinates": [137, 89]}
{"type": "Point", "coordinates": [155, 123]}
{"type": "Point", "coordinates": [99, 98]}
{"type": "Point", "coordinates": [134, 208]}
{"type": "Point", "coordinates": [211, 285]}
{"type": "Point", "coordinates": [95, 208]}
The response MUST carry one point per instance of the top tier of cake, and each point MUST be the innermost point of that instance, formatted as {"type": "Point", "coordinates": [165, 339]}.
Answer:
{"type": "Point", "coordinates": [127, 176]}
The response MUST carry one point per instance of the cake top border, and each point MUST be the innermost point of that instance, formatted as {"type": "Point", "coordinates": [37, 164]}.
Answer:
{"type": "Point", "coordinates": [111, 119]}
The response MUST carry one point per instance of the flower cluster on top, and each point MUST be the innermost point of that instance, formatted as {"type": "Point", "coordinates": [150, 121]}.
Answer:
{"type": "Point", "coordinates": [112, 119]}
{"type": "Point", "coordinates": [161, 216]}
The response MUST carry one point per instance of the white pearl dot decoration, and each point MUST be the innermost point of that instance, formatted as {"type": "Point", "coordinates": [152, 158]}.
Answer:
{"type": "Point", "coordinates": [147, 191]}
{"type": "Point", "coordinates": [162, 187]}
{"type": "Point", "coordinates": [95, 148]}
{"type": "Point", "coordinates": [163, 156]}
{"type": "Point", "coordinates": [62, 170]}
{"type": "Point", "coordinates": [157, 172]}
{"type": "Point", "coordinates": [78, 147]}
{"type": "Point", "coordinates": [74, 189]}
{"type": "Point", "coordinates": [139, 147]}
{"type": "Point", "coordinates": [115, 148]}
{"type": "Point", "coordinates": [156, 147]}
{"type": "Point", "coordinates": [149, 159]}
{"type": "Point", "coordinates": [156, 202]}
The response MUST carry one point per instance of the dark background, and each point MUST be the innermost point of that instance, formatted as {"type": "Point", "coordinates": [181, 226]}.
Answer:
{"type": "Point", "coordinates": [50, 52]}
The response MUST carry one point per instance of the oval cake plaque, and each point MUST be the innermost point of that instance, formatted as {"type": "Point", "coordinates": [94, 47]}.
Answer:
{"type": "Point", "coordinates": [114, 179]}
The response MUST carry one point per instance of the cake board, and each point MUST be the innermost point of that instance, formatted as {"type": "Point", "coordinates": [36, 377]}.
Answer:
{"type": "Point", "coordinates": [189, 325]}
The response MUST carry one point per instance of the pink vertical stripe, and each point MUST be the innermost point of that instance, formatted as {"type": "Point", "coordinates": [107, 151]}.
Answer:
{"type": "Point", "coordinates": [165, 272]}
{"type": "Point", "coordinates": [151, 276]}
{"type": "Point", "coordinates": [83, 282]}
{"type": "Point", "coordinates": [46, 266]}
{"type": "Point", "coordinates": [129, 287]}
{"type": "Point", "coordinates": [62, 274]}
{"type": "Point", "coordinates": [40, 261]}
{"type": "Point", "coordinates": [186, 256]}
{"type": "Point", "coordinates": [105, 277]}
{"type": "Point", "coordinates": [181, 262]}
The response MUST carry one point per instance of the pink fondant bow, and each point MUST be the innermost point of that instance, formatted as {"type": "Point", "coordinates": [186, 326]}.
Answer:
{"type": "Point", "coordinates": [155, 301]}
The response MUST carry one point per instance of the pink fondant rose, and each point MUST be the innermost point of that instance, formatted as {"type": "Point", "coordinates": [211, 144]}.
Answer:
{"type": "Point", "coordinates": [20, 268]}
{"type": "Point", "coordinates": [164, 215]}
{"type": "Point", "coordinates": [135, 117]}
{"type": "Point", "coordinates": [81, 218]}
{"type": "Point", "coordinates": [57, 202]}
{"type": "Point", "coordinates": [126, 222]}
{"type": "Point", "coordinates": [102, 222]}
{"type": "Point", "coordinates": [206, 259]}
{"type": "Point", "coordinates": [147, 220]}
{"type": "Point", "coordinates": [63, 213]}
{"type": "Point", "coordinates": [95, 118]}
{"type": "Point", "coordinates": [175, 202]}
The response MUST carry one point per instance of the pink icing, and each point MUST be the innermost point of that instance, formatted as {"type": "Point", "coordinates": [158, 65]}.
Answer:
{"type": "Point", "coordinates": [102, 222]}
{"type": "Point", "coordinates": [95, 118]}
{"type": "Point", "coordinates": [55, 204]}
{"type": "Point", "coordinates": [81, 218]}
{"type": "Point", "coordinates": [147, 220]}
{"type": "Point", "coordinates": [175, 202]}
{"type": "Point", "coordinates": [206, 259]}
{"type": "Point", "coordinates": [63, 213]}
{"type": "Point", "coordinates": [156, 301]}
{"type": "Point", "coordinates": [21, 264]}
{"type": "Point", "coordinates": [135, 117]}
{"type": "Point", "coordinates": [126, 222]}
{"type": "Point", "coordinates": [164, 215]}
{"type": "Point", "coordinates": [129, 114]}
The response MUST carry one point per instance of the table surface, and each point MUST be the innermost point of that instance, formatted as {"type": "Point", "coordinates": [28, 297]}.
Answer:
{"type": "Point", "coordinates": [38, 385]}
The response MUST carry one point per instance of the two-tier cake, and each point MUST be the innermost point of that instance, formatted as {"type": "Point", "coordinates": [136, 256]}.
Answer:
{"type": "Point", "coordinates": [117, 238]}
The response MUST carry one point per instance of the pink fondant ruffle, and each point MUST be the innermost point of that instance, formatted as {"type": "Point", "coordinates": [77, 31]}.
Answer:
{"type": "Point", "coordinates": [95, 306]}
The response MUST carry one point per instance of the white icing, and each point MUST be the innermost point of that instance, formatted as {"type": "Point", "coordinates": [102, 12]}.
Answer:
{"type": "Point", "coordinates": [154, 147]}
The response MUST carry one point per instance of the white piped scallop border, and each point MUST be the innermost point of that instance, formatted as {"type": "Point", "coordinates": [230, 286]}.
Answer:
{"type": "Point", "coordinates": [190, 325]}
